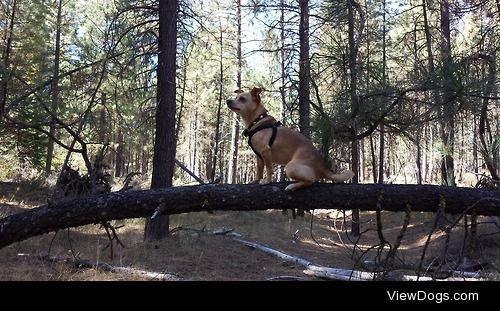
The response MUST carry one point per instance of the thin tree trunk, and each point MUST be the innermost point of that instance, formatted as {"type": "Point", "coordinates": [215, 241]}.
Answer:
{"type": "Point", "coordinates": [475, 161]}
{"type": "Point", "coordinates": [496, 150]}
{"type": "Point", "coordinates": [55, 90]}
{"type": "Point", "coordinates": [144, 162]}
{"type": "Point", "coordinates": [432, 77]}
{"type": "Point", "coordinates": [368, 73]}
{"type": "Point", "coordinates": [283, 105]}
{"type": "Point", "coordinates": [418, 134]}
{"type": "Point", "coordinates": [165, 145]}
{"type": "Point", "coordinates": [183, 92]}
{"type": "Point", "coordinates": [418, 159]}
{"type": "Point", "coordinates": [304, 69]}
{"type": "Point", "coordinates": [218, 117]}
{"type": "Point", "coordinates": [431, 157]}
{"type": "Point", "coordinates": [353, 69]}
{"type": "Point", "coordinates": [103, 124]}
{"type": "Point", "coordinates": [374, 161]}
{"type": "Point", "coordinates": [384, 81]}
{"type": "Point", "coordinates": [235, 130]}
{"type": "Point", "coordinates": [6, 60]}
{"type": "Point", "coordinates": [195, 147]}
{"type": "Point", "coordinates": [425, 164]}
{"type": "Point", "coordinates": [381, 147]}
{"type": "Point", "coordinates": [448, 118]}
{"type": "Point", "coordinates": [120, 155]}
{"type": "Point", "coordinates": [488, 153]}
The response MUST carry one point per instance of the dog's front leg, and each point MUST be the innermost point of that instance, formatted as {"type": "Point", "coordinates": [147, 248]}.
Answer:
{"type": "Point", "coordinates": [260, 171]}
{"type": "Point", "coordinates": [267, 161]}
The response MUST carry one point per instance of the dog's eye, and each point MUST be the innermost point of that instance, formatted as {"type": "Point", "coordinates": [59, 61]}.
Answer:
{"type": "Point", "coordinates": [242, 99]}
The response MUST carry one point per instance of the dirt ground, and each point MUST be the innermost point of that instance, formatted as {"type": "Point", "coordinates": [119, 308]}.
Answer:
{"type": "Point", "coordinates": [191, 253]}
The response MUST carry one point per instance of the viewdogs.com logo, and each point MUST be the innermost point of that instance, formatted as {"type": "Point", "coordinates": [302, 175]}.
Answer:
{"type": "Point", "coordinates": [436, 297]}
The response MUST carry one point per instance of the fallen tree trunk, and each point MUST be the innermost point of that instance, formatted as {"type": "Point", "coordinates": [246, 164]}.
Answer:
{"type": "Point", "coordinates": [346, 274]}
{"type": "Point", "coordinates": [102, 266]}
{"type": "Point", "coordinates": [177, 200]}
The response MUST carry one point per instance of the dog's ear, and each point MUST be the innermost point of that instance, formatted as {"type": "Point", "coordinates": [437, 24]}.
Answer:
{"type": "Point", "coordinates": [256, 94]}
{"type": "Point", "coordinates": [238, 91]}
{"type": "Point", "coordinates": [256, 91]}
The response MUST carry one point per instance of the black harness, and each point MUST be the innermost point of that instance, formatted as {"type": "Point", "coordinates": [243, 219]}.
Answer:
{"type": "Point", "coordinates": [249, 132]}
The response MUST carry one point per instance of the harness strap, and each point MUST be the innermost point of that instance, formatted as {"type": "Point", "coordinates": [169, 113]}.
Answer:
{"type": "Point", "coordinates": [249, 134]}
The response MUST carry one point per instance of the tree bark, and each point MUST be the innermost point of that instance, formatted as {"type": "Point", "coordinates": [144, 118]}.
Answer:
{"type": "Point", "coordinates": [177, 200]}
{"type": "Point", "coordinates": [235, 131]}
{"type": "Point", "coordinates": [215, 151]}
{"type": "Point", "coordinates": [304, 69]}
{"type": "Point", "coordinates": [103, 122]}
{"type": "Point", "coordinates": [487, 150]}
{"type": "Point", "coordinates": [6, 60]}
{"type": "Point", "coordinates": [353, 70]}
{"type": "Point", "coordinates": [120, 155]}
{"type": "Point", "coordinates": [374, 161]}
{"type": "Point", "coordinates": [381, 156]}
{"type": "Point", "coordinates": [283, 106]}
{"type": "Point", "coordinates": [165, 145]}
{"type": "Point", "coordinates": [79, 263]}
{"type": "Point", "coordinates": [55, 90]}
{"type": "Point", "coordinates": [186, 56]}
{"type": "Point", "coordinates": [448, 117]}
{"type": "Point", "coordinates": [384, 81]}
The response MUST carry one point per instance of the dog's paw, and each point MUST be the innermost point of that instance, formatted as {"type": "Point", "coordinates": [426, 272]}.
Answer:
{"type": "Point", "coordinates": [289, 188]}
{"type": "Point", "coordinates": [265, 182]}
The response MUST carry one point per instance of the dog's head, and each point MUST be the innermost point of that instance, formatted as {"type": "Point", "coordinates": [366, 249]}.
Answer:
{"type": "Point", "coordinates": [247, 104]}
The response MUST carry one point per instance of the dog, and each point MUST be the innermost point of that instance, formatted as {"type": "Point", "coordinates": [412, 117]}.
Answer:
{"type": "Point", "coordinates": [273, 143]}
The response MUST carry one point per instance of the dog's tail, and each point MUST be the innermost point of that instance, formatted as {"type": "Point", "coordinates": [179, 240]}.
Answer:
{"type": "Point", "coordinates": [338, 177]}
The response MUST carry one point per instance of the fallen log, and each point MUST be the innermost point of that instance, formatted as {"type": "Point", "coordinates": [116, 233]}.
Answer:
{"type": "Point", "coordinates": [338, 274]}
{"type": "Point", "coordinates": [102, 266]}
{"type": "Point", "coordinates": [176, 200]}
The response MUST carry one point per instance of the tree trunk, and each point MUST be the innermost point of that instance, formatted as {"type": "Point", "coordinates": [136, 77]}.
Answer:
{"type": "Point", "coordinates": [55, 91]}
{"type": "Point", "coordinates": [283, 105]}
{"type": "Point", "coordinates": [215, 150]}
{"type": "Point", "coordinates": [418, 160]}
{"type": "Point", "coordinates": [195, 147]}
{"type": "Point", "coordinates": [144, 162]}
{"type": "Point", "coordinates": [448, 117]}
{"type": "Point", "coordinates": [488, 153]}
{"type": "Point", "coordinates": [475, 160]}
{"type": "Point", "coordinates": [362, 161]}
{"type": "Point", "coordinates": [235, 130]}
{"type": "Point", "coordinates": [165, 145]}
{"type": "Point", "coordinates": [368, 73]}
{"type": "Point", "coordinates": [183, 93]}
{"type": "Point", "coordinates": [203, 198]}
{"type": "Point", "coordinates": [353, 69]}
{"type": "Point", "coordinates": [103, 124]}
{"type": "Point", "coordinates": [374, 161]}
{"type": "Point", "coordinates": [381, 154]}
{"type": "Point", "coordinates": [304, 69]}
{"type": "Point", "coordinates": [431, 73]}
{"type": "Point", "coordinates": [6, 60]}
{"type": "Point", "coordinates": [384, 81]}
{"type": "Point", "coordinates": [120, 155]}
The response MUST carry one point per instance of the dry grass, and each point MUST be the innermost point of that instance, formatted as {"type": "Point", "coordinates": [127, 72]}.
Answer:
{"type": "Point", "coordinates": [194, 255]}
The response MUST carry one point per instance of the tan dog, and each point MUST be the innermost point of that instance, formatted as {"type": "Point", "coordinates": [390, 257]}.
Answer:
{"type": "Point", "coordinates": [280, 145]}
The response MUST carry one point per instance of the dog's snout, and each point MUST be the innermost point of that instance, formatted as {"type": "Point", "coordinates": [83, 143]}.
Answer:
{"type": "Point", "coordinates": [228, 102]}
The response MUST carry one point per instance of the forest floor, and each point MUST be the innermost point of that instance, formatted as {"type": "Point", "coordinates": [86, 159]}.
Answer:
{"type": "Point", "coordinates": [191, 253]}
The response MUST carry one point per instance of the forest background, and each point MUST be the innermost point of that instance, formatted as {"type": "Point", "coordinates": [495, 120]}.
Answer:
{"type": "Point", "coordinates": [398, 91]}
